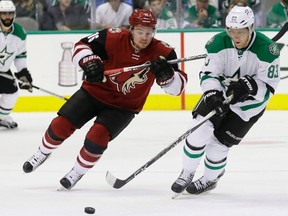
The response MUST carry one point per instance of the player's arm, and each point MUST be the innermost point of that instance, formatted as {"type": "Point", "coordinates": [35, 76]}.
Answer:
{"type": "Point", "coordinates": [213, 67]}
{"type": "Point", "coordinates": [21, 65]}
{"type": "Point", "coordinates": [89, 53]}
{"type": "Point", "coordinates": [261, 85]}
{"type": "Point", "coordinates": [169, 76]}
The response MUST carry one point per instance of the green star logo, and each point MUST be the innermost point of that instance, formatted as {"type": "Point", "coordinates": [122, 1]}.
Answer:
{"type": "Point", "coordinates": [226, 80]}
{"type": "Point", "coordinates": [4, 55]}
{"type": "Point", "coordinates": [236, 75]}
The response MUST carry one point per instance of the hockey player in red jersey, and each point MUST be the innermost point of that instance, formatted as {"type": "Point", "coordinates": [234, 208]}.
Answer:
{"type": "Point", "coordinates": [113, 100]}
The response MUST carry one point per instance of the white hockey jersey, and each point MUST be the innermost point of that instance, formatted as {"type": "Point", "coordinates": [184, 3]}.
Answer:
{"type": "Point", "coordinates": [13, 48]}
{"type": "Point", "coordinates": [224, 63]}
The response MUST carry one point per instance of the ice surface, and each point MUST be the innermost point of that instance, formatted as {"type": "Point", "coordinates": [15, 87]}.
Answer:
{"type": "Point", "coordinates": [255, 182]}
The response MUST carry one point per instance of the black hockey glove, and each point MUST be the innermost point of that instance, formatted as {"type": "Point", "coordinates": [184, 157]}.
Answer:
{"type": "Point", "coordinates": [26, 80]}
{"type": "Point", "coordinates": [162, 71]}
{"type": "Point", "coordinates": [241, 89]}
{"type": "Point", "coordinates": [214, 100]}
{"type": "Point", "coordinates": [93, 68]}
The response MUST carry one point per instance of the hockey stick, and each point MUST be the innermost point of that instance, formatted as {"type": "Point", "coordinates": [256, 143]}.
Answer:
{"type": "Point", "coordinates": [284, 77]}
{"type": "Point", "coordinates": [127, 69]}
{"type": "Point", "coordinates": [118, 183]}
{"type": "Point", "coordinates": [282, 31]}
{"type": "Point", "coordinates": [36, 87]}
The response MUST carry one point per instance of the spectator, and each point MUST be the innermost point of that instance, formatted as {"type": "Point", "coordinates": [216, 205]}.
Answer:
{"type": "Point", "coordinates": [130, 2]}
{"type": "Point", "coordinates": [65, 16]}
{"type": "Point", "coordinates": [236, 2]}
{"type": "Point", "coordinates": [165, 18]}
{"type": "Point", "coordinates": [26, 8]}
{"type": "Point", "coordinates": [114, 13]}
{"type": "Point", "coordinates": [278, 14]}
{"type": "Point", "coordinates": [86, 4]}
{"type": "Point", "coordinates": [202, 15]}
{"type": "Point", "coordinates": [140, 4]}
{"type": "Point", "coordinates": [172, 4]}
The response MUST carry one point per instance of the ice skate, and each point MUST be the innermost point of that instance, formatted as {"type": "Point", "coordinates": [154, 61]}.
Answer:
{"type": "Point", "coordinates": [35, 161]}
{"type": "Point", "coordinates": [8, 122]}
{"type": "Point", "coordinates": [181, 183]}
{"type": "Point", "coordinates": [200, 185]}
{"type": "Point", "coordinates": [70, 179]}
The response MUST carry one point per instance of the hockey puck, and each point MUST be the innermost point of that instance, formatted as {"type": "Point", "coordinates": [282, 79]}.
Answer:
{"type": "Point", "coordinates": [89, 210]}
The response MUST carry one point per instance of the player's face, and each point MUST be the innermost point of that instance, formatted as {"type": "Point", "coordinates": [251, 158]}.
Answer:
{"type": "Point", "coordinates": [7, 18]}
{"type": "Point", "coordinates": [142, 36]}
{"type": "Point", "coordinates": [240, 37]}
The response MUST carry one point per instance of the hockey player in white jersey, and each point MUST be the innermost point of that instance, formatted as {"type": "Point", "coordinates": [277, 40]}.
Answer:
{"type": "Point", "coordinates": [242, 63]}
{"type": "Point", "coordinates": [12, 49]}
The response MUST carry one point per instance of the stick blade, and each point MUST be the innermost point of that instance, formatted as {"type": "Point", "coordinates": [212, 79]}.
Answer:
{"type": "Point", "coordinates": [113, 181]}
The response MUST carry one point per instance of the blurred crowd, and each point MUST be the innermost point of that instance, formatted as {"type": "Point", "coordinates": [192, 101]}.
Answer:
{"type": "Point", "coordinates": [66, 15]}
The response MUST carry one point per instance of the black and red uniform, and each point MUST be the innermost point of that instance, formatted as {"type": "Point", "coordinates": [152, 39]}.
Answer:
{"type": "Point", "coordinates": [116, 101]}
{"type": "Point", "coordinates": [125, 90]}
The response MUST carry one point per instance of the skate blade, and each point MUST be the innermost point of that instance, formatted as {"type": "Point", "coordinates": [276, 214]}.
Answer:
{"type": "Point", "coordinates": [61, 188]}
{"type": "Point", "coordinates": [175, 195]}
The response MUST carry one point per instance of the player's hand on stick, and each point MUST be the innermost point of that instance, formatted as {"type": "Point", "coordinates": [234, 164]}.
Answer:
{"type": "Point", "coordinates": [162, 71]}
{"type": "Point", "coordinates": [93, 68]}
{"type": "Point", "coordinates": [241, 89]}
{"type": "Point", "coordinates": [26, 79]}
{"type": "Point", "coordinates": [214, 100]}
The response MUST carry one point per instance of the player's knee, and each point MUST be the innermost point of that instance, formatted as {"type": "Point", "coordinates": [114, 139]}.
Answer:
{"type": "Point", "coordinates": [61, 128]}
{"type": "Point", "coordinates": [97, 139]}
{"type": "Point", "coordinates": [216, 151]}
{"type": "Point", "coordinates": [197, 146]}
{"type": "Point", "coordinates": [202, 135]}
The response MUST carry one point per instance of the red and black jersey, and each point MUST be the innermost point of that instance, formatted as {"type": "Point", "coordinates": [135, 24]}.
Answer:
{"type": "Point", "coordinates": [127, 90]}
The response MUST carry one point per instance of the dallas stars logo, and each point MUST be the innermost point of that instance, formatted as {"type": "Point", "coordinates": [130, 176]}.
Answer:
{"type": "Point", "coordinates": [4, 55]}
{"type": "Point", "coordinates": [226, 80]}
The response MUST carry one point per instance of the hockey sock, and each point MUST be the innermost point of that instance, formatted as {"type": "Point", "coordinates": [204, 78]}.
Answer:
{"type": "Point", "coordinates": [85, 161]}
{"type": "Point", "coordinates": [59, 130]}
{"type": "Point", "coordinates": [192, 156]}
{"type": "Point", "coordinates": [213, 169]}
{"type": "Point", "coordinates": [95, 144]}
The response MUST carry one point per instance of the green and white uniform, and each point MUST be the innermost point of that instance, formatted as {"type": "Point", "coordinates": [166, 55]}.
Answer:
{"type": "Point", "coordinates": [251, 71]}
{"type": "Point", "coordinates": [13, 48]}
{"type": "Point", "coordinates": [166, 20]}
{"type": "Point", "coordinates": [259, 60]}
{"type": "Point", "coordinates": [223, 64]}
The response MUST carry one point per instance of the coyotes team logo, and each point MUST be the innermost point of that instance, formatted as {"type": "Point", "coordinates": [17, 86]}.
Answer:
{"type": "Point", "coordinates": [127, 81]}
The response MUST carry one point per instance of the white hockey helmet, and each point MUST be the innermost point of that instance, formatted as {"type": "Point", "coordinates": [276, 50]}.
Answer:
{"type": "Point", "coordinates": [7, 6]}
{"type": "Point", "coordinates": [240, 17]}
